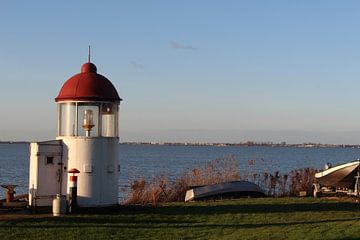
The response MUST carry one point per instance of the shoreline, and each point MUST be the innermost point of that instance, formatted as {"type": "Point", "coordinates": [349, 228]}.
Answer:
{"type": "Point", "coordinates": [240, 144]}
{"type": "Point", "coordinates": [246, 144]}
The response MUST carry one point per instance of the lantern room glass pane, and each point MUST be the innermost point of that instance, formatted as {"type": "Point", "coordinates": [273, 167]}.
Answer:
{"type": "Point", "coordinates": [109, 113]}
{"type": "Point", "coordinates": [88, 120]}
{"type": "Point", "coordinates": [67, 114]}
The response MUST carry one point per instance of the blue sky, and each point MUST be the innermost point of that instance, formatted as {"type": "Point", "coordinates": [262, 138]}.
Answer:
{"type": "Point", "coordinates": [189, 70]}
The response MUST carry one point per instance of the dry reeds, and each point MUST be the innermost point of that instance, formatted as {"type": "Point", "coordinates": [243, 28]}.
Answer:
{"type": "Point", "coordinates": [161, 189]}
{"type": "Point", "coordinates": [152, 192]}
{"type": "Point", "coordinates": [301, 180]}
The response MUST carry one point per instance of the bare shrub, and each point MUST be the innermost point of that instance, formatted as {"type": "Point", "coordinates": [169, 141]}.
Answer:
{"type": "Point", "coordinates": [214, 172]}
{"type": "Point", "coordinates": [137, 192]}
{"type": "Point", "coordinates": [282, 185]}
{"type": "Point", "coordinates": [264, 182]}
{"type": "Point", "coordinates": [157, 190]}
{"type": "Point", "coordinates": [301, 180]}
{"type": "Point", "coordinates": [161, 189]}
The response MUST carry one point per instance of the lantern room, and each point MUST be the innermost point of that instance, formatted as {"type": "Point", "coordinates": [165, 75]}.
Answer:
{"type": "Point", "coordinates": [89, 119]}
{"type": "Point", "coordinates": [88, 105]}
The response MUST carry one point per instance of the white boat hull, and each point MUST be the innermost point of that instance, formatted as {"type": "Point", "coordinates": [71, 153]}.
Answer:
{"type": "Point", "coordinates": [341, 176]}
{"type": "Point", "coordinates": [228, 189]}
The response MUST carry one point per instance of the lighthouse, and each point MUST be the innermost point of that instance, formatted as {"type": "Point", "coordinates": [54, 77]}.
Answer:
{"type": "Point", "coordinates": [87, 140]}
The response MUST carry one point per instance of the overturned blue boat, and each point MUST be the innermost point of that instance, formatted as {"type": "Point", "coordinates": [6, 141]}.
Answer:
{"type": "Point", "coordinates": [234, 189]}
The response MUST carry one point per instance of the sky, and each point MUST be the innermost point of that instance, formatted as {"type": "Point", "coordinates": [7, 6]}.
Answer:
{"type": "Point", "coordinates": [196, 71]}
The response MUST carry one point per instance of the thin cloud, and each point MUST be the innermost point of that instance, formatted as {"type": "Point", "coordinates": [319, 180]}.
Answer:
{"type": "Point", "coordinates": [137, 65]}
{"type": "Point", "coordinates": [180, 46]}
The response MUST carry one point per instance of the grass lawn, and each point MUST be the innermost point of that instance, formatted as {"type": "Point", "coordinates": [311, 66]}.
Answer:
{"type": "Point", "coordinates": [266, 218]}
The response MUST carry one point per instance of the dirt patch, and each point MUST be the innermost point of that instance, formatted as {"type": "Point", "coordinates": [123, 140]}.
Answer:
{"type": "Point", "coordinates": [342, 199]}
{"type": "Point", "coordinates": [11, 215]}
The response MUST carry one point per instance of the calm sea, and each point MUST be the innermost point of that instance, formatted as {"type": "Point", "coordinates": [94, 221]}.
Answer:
{"type": "Point", "coordinates": [145, 161]}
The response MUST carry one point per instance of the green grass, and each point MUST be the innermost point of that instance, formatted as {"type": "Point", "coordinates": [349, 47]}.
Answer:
{"type": "Point", "coordinates": [268, 218]}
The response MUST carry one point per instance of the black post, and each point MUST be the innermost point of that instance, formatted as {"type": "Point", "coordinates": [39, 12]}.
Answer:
{"type": "Point", "coordinates": [73, 194]}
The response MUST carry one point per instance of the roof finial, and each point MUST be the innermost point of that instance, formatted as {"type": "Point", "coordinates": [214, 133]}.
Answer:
{"type": "Point", "coordinates": [89, 54]}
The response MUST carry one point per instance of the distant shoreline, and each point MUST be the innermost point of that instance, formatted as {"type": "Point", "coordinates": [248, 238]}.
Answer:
{"type": "Point", "coordinates": [14, 142]}
{"type": "Point", "coordinates": [247, 144]}
{"type": "Point", "coordinates": [241, 144]}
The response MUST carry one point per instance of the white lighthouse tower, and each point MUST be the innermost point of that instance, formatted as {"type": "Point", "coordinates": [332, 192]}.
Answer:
{"type": "Point", "coordinates": [87, 140]}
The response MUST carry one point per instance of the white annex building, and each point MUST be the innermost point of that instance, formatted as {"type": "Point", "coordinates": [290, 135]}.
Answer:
{"type": "Point", "coordinates": [87, 140]}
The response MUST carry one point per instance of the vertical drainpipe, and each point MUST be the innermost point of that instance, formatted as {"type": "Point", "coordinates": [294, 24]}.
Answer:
{"type": "Point", "coordinates": [61, 163]}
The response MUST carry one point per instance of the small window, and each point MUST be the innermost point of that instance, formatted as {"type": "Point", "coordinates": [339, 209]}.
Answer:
{"type": "Point", "coordinates": [49, 160]}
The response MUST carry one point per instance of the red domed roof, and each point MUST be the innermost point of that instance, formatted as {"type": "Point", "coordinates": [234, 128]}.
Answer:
{"type": "Point", "coordinates": [88, 86]}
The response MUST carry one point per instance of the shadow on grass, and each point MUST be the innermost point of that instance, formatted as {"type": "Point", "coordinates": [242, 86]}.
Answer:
{"type": "Point", "coordinates": [177, 216]}
{"type": "Point", "coordinates": [91, 222]}
{"type": "Point", "coordinates": [216, 208]}
{"type": "Point", "coordinates": [246, 208]}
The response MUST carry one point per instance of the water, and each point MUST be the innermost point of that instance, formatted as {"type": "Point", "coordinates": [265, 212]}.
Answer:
{"type": "Point", "coordinates": [145, 161]}
{"type": "Point", "coordinates": [14, 166]}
